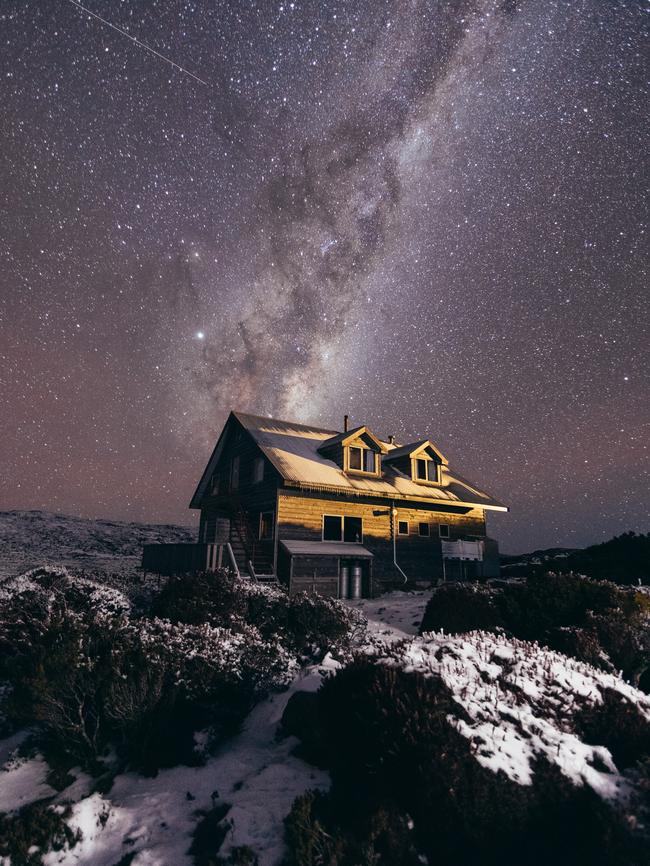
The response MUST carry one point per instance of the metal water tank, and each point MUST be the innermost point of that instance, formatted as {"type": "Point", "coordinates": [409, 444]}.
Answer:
{"type": "Point", "coordinates": [357, 581]}
{"type": "Point", "coordinates": [344, 581]}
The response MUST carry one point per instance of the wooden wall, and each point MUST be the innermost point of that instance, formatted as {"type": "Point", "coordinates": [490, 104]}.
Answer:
{"type": "Point", "coordinates": [300, 516]}
{"type": "Point", "coordinates": [253, 497]}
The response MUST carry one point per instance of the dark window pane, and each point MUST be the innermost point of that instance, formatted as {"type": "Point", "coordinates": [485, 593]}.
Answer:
{"type": "Point", "coordinates": [432, 469]}
{"type": "Point", "coordinates": [403, 527]}
{"type": "Point", "coordinates": [352, 530]}
{"type": "Point", "coordinates": [421, 469]}
{"type": "Point", "coordinates": [266, 525]}
{"type": "Point", "coordinates": [424, 529]}
{"type": "Point", "coordinates": [369, 460]}
{"type": "Point", "coordinates": [258, 470]}
{"type": "Point", "coordinates": [355, 458]}
{"type": "Point", "coordinates": [234, 473]}
{"type": "Point", "coordinates": [444, 531]}
{"type": "Point", "coordinates": [331, 528]}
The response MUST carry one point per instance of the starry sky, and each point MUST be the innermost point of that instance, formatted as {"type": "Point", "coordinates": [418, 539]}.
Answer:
{"type": "Point", "coordinates": [428, 215]}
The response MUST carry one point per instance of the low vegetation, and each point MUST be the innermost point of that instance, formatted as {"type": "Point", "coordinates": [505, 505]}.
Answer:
{"type": "Point", "coordinates": [31, 832]}
{"type": "Point", "coordinates": [92, 675]}
{"type": "Point", "coordinates": [467, 750]}
{"type": "Point", "coordinates": [595, 621]}
{"type": "Point", "coordinates": [624, 559]}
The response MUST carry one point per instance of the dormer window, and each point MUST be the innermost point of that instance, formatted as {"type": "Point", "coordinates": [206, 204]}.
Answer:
{"type": "Point", "coordinates": [355, 451]}
{"type": "Point", "coordinates": [362, 459]}
{"type": "Point", "coordinates": [426, 470]}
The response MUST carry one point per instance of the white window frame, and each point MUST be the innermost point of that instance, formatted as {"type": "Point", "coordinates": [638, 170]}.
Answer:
{"type": "Point", "coordinates": [341, 518]}
{"type": "Point", "coordinates": [408, 527]}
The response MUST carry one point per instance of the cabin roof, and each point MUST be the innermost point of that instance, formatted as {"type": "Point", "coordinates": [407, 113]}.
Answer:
{"type": "Point", "coordinates": [350, 436]}
{"type": "Point", "coordinates": [293, 449]}
{"type": "Point", "coordinates": [414, 448]}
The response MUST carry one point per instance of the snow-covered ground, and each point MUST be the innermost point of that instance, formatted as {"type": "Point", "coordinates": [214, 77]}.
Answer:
{"type": "Point", "coordinates": [255, 774]}
{"type": "Point", "coordinates": [31, 539]}
{"type": "Point", "coordinates": [519, 699]}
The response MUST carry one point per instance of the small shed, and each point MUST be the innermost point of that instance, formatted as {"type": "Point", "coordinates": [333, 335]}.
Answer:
{"type": "Point", "coordinates": [336, 569]}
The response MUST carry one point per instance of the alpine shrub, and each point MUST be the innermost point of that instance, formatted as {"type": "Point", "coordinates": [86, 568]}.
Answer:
{"type": "Point", "coordinates": [392, 752]}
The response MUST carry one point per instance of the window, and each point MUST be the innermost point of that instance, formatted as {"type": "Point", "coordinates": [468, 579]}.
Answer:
{"type": "Point", "coordinates": [332, 528]}
{"type": "Point", "coordinates": [423, 529]}
{"type": "Point", "coordinates": [362, 459]}
{"type": "Point", "coordinates": [234, 473]}
{"type": "Point", "coordinates": [426, 470]}
{"type": "Point", "coordinates": [352, 529]}
{"type": "Point", "coordinates": [214, 484]}
{"type": "Point", "coordinates": [356, 458]}
{"type": "Point", "coordinates": [443, 530]}
{"type": "Point", "coordinates": [336, 528]}
{"type": "Point", "coordinates": [210, 527]}
{"type": "Point", "coordinates": [258, 470]}
{"type": "Point", "coordinates": [403, 527]}
{"type": "Point", "coordinates": [266, 525]}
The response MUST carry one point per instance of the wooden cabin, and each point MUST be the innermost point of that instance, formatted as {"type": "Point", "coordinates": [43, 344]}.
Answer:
{"type": "Point", "coordinates": [341, 513]}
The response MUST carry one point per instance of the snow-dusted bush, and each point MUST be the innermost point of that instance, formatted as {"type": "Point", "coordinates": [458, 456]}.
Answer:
{"type": "Point", "coordinates": [495, 751]}
{"type": "Point", "coordinates": [91, 676]}
{"type": "Point", "coordinates": [595, 621]}
{"type": "Point", "coordinates": [309, 625]}
{"type": "Point", "coordinates": [31, 832]}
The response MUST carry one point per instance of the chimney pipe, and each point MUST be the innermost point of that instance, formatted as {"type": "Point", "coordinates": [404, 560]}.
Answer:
{"type": "Point", "coordinates": [391, 439]}
{"type": "Point", "coordinates": [346, 418]}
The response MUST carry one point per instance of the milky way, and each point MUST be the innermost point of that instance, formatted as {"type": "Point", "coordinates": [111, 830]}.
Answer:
{"type": "Point", "coordinates": [430, 216]}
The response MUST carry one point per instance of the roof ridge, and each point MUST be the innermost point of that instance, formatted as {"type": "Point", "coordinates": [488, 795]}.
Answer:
{"type": "Point", "coordinates": [267, 419]}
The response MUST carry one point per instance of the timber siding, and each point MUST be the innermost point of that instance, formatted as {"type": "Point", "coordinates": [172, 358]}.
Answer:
{"type": "Point", "coordinates": [300, 516]}
{"type": "Point", "coordinates": [254, 498]}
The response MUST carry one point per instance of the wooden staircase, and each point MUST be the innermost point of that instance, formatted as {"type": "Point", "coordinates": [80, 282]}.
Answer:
{"type": "Point", "coordinates": [246, 547]}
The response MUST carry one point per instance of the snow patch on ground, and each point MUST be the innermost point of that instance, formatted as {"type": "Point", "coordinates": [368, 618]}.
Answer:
{"type": "Point", "coordinates": [22, 780]}
{"type": "Point", "coordinates": [254, 772]}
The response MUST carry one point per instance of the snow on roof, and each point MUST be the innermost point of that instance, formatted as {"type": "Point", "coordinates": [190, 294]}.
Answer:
{"type": "Point", "coordinates": [293, 451]}
{"type": "Point", "coordinates": [298, 547]}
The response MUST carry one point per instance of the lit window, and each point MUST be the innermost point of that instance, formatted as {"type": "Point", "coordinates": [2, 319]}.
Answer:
{"type": "Point", "coordinates": [403, 527]}
{"type": "Point", "coordinates": [266, 525]}
{"type": "Point", "coordinates": [258, 470]}
{"type": "Point", "coordinates": [423, 529]}
{"type": "Point", "coordinates": [444, 530]}
{"type": "Point", "coordinates": [336, 528]}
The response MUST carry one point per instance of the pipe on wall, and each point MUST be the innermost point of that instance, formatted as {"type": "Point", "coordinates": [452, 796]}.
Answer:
{"type": "Point", "coordinates": [393, 515]}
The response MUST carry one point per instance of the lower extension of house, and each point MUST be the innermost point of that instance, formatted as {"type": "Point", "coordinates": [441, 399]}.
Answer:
{"type": "Point", "coordinates": [344, 514]}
